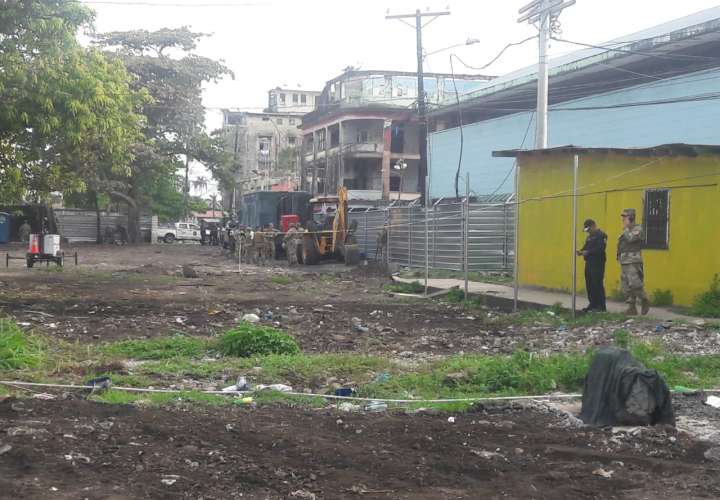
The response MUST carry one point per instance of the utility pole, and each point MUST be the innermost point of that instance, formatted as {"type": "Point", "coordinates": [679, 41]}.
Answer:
{"type": "Point", "coordinates": [422, 110]}
{"type": "Point", "coordinates": [542, 14]}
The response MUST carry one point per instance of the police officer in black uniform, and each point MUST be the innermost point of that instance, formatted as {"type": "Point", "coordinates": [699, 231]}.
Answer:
{"type": "Point", "coordinates": [594, 253]}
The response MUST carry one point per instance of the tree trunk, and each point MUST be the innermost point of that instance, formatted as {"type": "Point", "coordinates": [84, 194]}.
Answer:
{"type": "Point", "coordinates": [96, 203]}
{"type": "Point", "coordinates": [133, 225]}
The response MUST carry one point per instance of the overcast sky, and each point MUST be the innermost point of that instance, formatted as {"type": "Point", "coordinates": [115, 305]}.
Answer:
{"type": "Point", "coordinates": [304, 43]}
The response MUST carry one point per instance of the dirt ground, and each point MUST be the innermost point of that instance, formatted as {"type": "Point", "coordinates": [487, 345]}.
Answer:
{"type": "Point", "coordinates": [72, 449]}
{"type": "Point", "coordinates": [79, 449]}
{"type": "Point", "coordinates": [123, 292]}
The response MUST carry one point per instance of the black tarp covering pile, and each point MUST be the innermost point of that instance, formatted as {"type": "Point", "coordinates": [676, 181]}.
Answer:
{"type": "Point", "coordinates": [619, 390]}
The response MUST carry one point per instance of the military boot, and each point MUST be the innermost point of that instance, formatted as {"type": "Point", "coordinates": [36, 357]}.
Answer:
{"type": "Point", "coordinates": [645, 306]}
{"type": "Point", "coordinates": [631, 310]}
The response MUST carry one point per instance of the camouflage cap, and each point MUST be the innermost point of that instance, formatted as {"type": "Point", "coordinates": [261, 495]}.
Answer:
{"type": "Point", "coordinates": [629, 212]}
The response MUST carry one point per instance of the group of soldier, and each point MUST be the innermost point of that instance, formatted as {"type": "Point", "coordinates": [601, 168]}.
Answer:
{"type": "Point", "coordinates": [629, 256]}
{"type": "Point", "coordinates": [260, 245]}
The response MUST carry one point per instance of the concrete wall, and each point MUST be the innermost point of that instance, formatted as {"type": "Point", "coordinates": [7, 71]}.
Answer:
{"type": "Point", "coordinates": [607, 185]}
{"type": "Point", "coordinates": [640, 126]}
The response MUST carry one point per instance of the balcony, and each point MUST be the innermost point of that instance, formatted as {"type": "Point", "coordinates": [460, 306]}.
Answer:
{"type": "Point", "coordinates": [364, 149]}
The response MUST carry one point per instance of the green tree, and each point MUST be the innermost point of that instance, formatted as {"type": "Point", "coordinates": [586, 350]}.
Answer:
{"type": "Point", "coordinates": [66, 111]}
{"type": "Point", "coordinates": [163, 64]}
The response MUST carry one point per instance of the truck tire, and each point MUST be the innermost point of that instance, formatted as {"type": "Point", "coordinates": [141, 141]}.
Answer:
{"type": "Point", "coordinates": [169, 238]}
{"type": "Point", "coordinates": [310, 254]}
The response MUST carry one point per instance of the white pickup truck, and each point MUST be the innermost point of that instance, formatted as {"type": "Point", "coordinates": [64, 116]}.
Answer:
{"type": "Point", "coordinates": [180, 231]}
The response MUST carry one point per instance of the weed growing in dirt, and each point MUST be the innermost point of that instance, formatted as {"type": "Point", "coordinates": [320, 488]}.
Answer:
{"type": "Point", "coordinates": [557, 316]}
{"type": "Point", "coordinates": [162, 398]}
{"type": "Point", "coordinates": [621, 338]}
{"type": "Point", "coordinates": [662, 298]}
{"type": "Point", "coordinates": [159, 348]}
{"type": "Point", "coordinates": [281, 280]}
{"type": "Point", "coordinates": [454, 295]}
{"type": "Point", "coordinates": [707, 304]}
{"type": "Point", "coordinates": [18, 350]}
{"type": "Point", "coordinates": [483, 277]}
{"type": "Point", "coordinates": [402, 287]}
{"type": "Point", "coordinates": [248, 339]}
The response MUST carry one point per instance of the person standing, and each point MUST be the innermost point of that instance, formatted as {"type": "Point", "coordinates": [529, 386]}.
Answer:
{"type": "Point", "coordinates": [629, 255]}
{"type": "Point", "coordinates": [594, 253]}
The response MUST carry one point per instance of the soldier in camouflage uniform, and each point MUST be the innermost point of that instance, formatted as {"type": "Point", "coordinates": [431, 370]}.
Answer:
{"type": "Point", "coordinates": [629, 255]}
{"type": "Point", "coordinates": [292, 239]}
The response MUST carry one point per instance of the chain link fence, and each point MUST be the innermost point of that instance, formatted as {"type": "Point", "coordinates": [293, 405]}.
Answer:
{"type": "Point", "coordinates": [479, 234]}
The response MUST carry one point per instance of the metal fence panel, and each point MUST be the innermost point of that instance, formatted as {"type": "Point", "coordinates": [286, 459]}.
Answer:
{"type": "Point", "coordinates": [489, 231]}
{"type": "Point", "coordinates": [78, 225]}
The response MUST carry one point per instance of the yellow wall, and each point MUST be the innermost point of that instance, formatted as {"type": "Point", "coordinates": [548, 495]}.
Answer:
{"type": "Point", "coordinates": [607, 184]}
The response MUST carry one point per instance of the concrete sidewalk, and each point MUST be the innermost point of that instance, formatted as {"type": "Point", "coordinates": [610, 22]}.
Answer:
{"type": "Point", "coordinates": [539, 297]}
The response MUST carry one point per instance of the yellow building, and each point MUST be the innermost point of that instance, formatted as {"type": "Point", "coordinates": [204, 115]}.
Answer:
{"type": "Point", "coordinates": [674, 189]}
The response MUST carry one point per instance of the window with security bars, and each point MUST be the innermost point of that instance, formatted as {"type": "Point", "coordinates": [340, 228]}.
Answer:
{"type": "Point", "coordinates": [656, 219]}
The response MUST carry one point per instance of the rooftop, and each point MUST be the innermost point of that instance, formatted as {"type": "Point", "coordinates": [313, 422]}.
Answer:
{"type": "Point", "coordinates": [679, 47]}
{"type": "Point", "coordinates": [661, 150]}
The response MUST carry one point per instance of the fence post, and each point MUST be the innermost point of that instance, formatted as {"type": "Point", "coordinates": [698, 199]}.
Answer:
{"type": "Point", "coordinates": [410, 228]}
{"type": "Point", "coordinates": [388, 221]}
{"type": "Point", "coordinates": [467, 230]}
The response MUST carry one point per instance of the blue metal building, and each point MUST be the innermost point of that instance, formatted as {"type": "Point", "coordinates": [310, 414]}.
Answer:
{"type": "Point", "coordinates": [657, 86]}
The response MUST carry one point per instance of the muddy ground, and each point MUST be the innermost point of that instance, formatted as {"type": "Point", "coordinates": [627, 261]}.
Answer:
{"type": "Point", "coordinates": [72, 449]}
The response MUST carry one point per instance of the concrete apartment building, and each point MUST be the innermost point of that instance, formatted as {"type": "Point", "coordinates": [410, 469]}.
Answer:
{"type": "Point", "coordinates": [266, 145]}
{"type": "Point", "coordinates": [364, 133]}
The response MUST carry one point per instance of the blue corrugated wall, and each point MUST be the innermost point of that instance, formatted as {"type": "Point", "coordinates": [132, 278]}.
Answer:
{"type": "Point", "coordinates": [640, 126]}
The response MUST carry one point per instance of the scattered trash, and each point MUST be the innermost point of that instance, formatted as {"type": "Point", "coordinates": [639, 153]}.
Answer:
{"type": "Point", "coordinates": [99, 384]}
{"type": "Point", "coordinates": [376, 406]}
{"type": "Point", "coordinates": [713, 401]}
{"type": "Point", "coordinates": [381, 378]}
{"type": "Point", "coordinates": [699, 322]}
{"type": "Point", "coordinates": [251, 318]}
{"type": "Point", "coordinates": [487, 455]}
{"type": "Point", "coordinates": [348, 407]}
{"type": "Point", "coordinates": [5, 449]}
{"type": "Point", "coordinates": [247, 401]}
{"type": "Point", "coordinates": [274, 387]}
{"type": "Point", "coordinates": [619, 390]}
{"type": "Point", "coordinates": [44, 396]}
{"type": "Point", "coordinates": [607, 474]}
{"type": "Point", "coordinates": [451, 420]}
{"type": "Point", "coordinates": [344, 391]}
{"type": "Point", "coordinates": [308, 495]}
{"type": "Point", "coordinates": [683, 389]}
{"type": "Point", "coordinates": [169, 480]}
{"type": "Point", "coordinates": [358, 326]}
{"type": "Point", "coordinates": [240, 386]}
{"type": "Point", "coordinates": [268, 316]}
{"type": "Point", "coordinates": [23, 431]}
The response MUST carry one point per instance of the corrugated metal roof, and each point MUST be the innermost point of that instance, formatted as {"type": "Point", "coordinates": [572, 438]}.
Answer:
{"type": "Point", "coordinates": [661, 150]}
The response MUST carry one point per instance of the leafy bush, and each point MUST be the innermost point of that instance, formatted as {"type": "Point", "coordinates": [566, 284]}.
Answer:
{"type": "Point", "coordinates": [159, 348]}
{"type": "Point", "coordinates": [248, 339]}
{"type": "Point", "coordinates": [455, 295]}
{"type": "Point", "coordinates": [18, 350]}
{"type": "Point", "coordinates": [402, 287]}
{"type": "Point", "coordinates": [707, 304]}
{"type": "Point", "coordinates": [662, 298]}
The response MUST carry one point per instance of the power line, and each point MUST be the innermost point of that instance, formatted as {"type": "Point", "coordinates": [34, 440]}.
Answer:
{"type": "Point", "coordinates": [480, 68]}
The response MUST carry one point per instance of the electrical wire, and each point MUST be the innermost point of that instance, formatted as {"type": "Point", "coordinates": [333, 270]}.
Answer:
{"type": "Point", "coordinates": [462, 136]}
{"type": "Point", "coordinates": [514, 166]}
{"type": "Point", "coordinates": [480, 68]}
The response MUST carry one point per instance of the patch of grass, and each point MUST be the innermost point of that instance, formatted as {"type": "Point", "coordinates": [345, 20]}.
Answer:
{"type": "Point", "coordinates": [707, 304]}
{"type": "Point", "coordinates": [454, 295]}
{"type": "Point", "coordinates": [621, 338]}
{"type": "Point", "coordinates": [662, 298]}
{"type": "Point", "coordinates": [480, 276]}
{"type": "Point", "coordinates": [402, 287]}
{"type": "Point", "coordinates": [556, 316]}
{"type": "Point", "coordinates": [18, 350]}
{"type": "Point", "coordinates": [281, 279]}
{"type": "Point", "coordinates": [162, 399]}
{"type": "Point", "coordinates": [248, 339]}
{"type": "Point", "coordinates": [159, 348]}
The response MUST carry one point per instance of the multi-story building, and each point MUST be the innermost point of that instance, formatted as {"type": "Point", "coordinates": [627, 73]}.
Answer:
{"type": "Point", "coordinates": [364, 133]}
{"type": "Point", "coordinates": [265, 145]}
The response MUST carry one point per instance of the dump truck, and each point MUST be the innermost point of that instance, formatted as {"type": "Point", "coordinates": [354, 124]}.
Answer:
{"type": "Point", "coordinates": [328, 234]}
